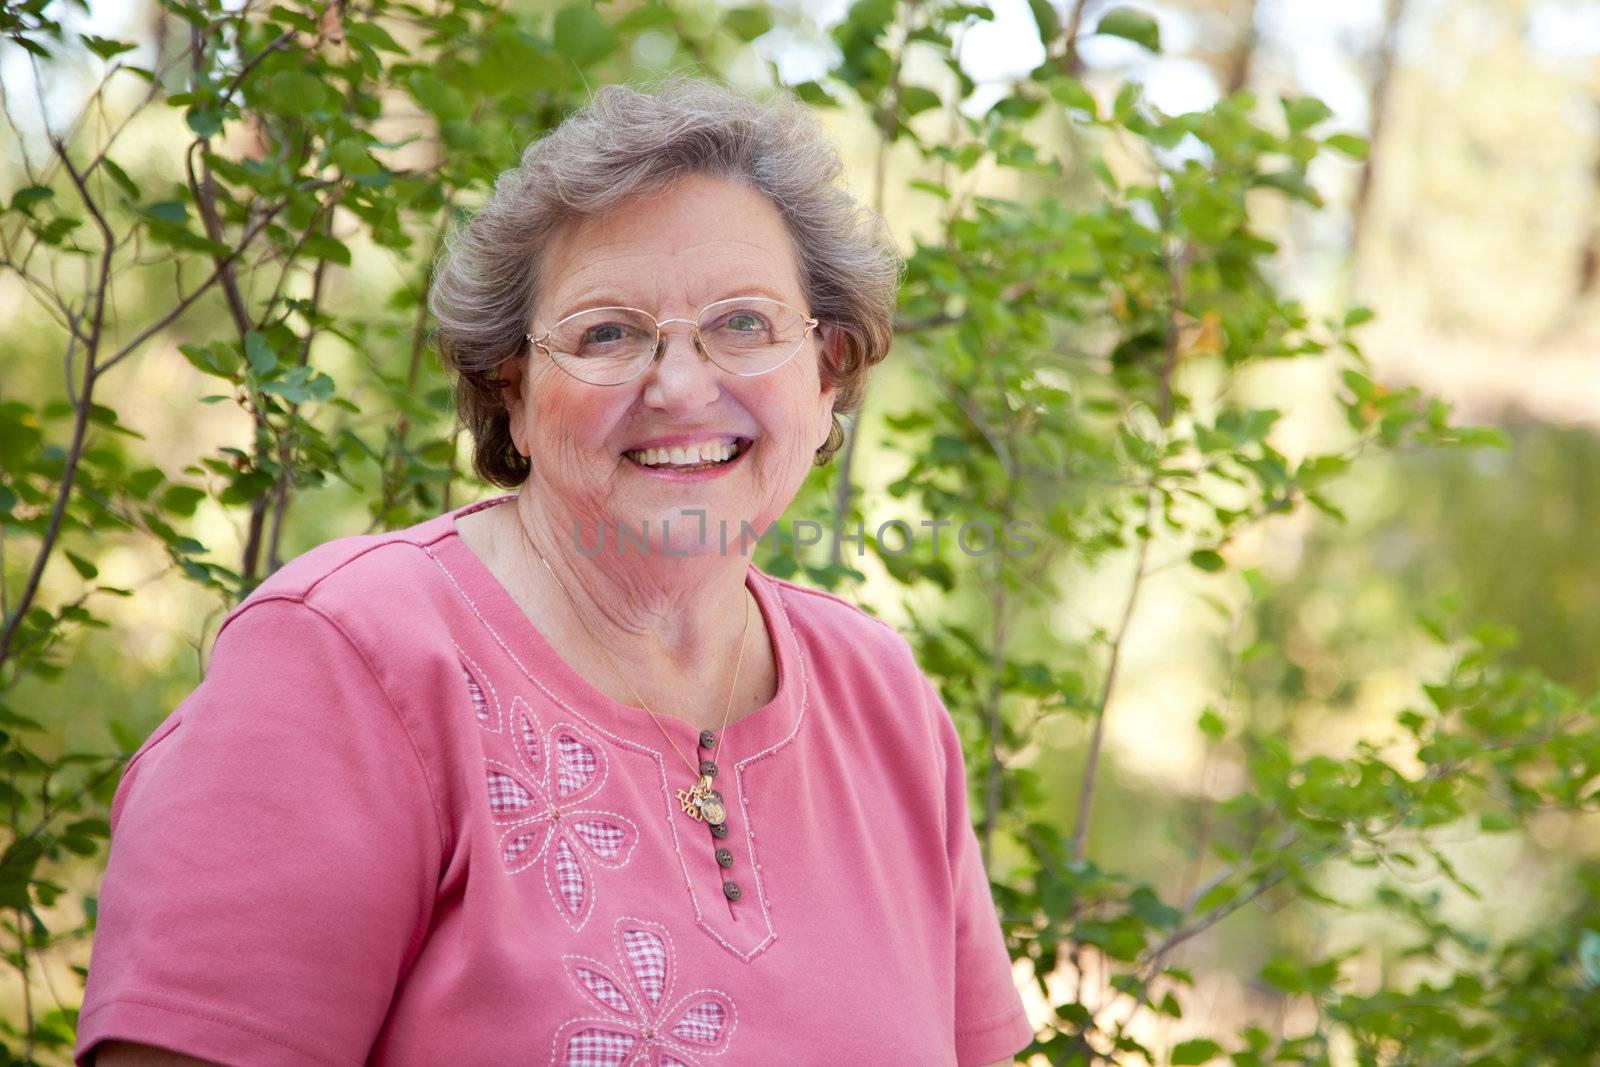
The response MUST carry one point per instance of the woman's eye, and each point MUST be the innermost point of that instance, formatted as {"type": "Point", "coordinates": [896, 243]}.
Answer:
{"type": "Point", "coordinates": [745, 322]}
{"type": "Point", "coordinates": [610, 333]}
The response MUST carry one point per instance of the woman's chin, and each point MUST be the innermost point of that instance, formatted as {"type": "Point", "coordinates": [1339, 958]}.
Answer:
{"type": "Point", "coordinates": [687, 530]}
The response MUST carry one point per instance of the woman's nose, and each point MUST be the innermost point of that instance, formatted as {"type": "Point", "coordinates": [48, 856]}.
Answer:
{"type": "Point", "coordinates": [681, 375]}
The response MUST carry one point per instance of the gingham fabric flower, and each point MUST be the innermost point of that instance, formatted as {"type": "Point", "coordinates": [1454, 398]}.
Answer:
{"type": "Point", "coordinates": [634, 1027]}
{"type": "Point", "coordinates": [545, 804]}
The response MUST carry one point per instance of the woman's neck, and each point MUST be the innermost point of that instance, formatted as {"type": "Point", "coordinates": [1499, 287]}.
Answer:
{"type": "Point", "coordinates": [672, 624]}
{"type": "Point", "coordinates": [690, 608]}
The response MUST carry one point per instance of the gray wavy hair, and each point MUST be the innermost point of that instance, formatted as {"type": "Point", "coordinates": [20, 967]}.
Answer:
{"type": "Point", "coordinates": [627, 142]}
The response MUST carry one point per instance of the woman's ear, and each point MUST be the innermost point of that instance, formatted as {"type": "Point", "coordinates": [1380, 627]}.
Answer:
{"type": "Point", "coordinates": [512, 375]}
{"type": "Point", "coordinates": [828, 394]}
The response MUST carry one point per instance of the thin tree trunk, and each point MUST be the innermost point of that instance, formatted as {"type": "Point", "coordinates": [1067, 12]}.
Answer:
{"type": "Point", "coordinates": [1241, 58]}
{"type": "Point", "coordinates": [1382, 83]}
{"type": "Point", "coordinates": [1589, 256]}
{"type": "Point", "coordinates": [1074, 62]}
{"type": "Point", "coordinates": [283, 491]}
{"type": "Point", "coordinates": [844, 487]}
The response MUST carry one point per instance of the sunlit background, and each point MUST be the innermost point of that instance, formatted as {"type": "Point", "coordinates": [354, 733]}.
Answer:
{"type": "Point", "coordinates": [1472, 230]}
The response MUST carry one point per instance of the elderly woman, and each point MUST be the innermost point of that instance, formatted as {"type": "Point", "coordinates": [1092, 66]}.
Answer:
{"type": "Point", "coordinates": [559, 776]}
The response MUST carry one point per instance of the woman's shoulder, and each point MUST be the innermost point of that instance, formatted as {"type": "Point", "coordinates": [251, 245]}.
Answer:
{"type": "Point", "coordinates": [845, 634]}
{"type": "Point", "coordinates": [356, 558]}
{"type": "Point", "coordinates": [358, 576]}
{"type": "Point", "coordinates": [811, 608]}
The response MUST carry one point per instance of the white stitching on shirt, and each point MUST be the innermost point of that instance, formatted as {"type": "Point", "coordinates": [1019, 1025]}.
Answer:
{"type": "Point", "coordinates": [739, 769]}
{"type": "Point", "coordinates": [645, 1025]}
{"type": "Point", "coordinates": [573, 961]}
{"type": "Point", "coordinates": [568, 876]}
{"type": "Point", "coordinates": [534, 800]}
{"type": "Point", "coordinates": [516, 830]}
{"type": "Point", "coordinates": [526, 736]}
{"type": "Point", "coordinates": [661, 770]}
{"type": "Point", "coordinates": [477, 677]}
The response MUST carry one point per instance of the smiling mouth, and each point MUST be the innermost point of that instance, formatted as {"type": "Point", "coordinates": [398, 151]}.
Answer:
{"type": "Point", "coordinates": [702, 456]}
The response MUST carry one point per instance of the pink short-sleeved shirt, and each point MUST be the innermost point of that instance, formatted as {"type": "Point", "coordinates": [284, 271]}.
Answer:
{"type": "Point", "coordinates": [392, 826]}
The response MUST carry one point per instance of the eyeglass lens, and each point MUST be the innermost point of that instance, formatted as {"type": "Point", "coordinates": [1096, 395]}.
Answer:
{"type": "Point", "coordinates": [746, 335]}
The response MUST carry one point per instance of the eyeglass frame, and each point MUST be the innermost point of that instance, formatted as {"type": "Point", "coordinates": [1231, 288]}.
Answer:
{"type": "Point", "coordinates": [542, 342]}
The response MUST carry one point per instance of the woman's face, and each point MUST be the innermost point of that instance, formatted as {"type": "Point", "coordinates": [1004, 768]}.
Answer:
{"type": "Point", "coordinates": [669, 253]}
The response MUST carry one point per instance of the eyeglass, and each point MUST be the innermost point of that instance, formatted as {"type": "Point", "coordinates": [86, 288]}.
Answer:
{"type": "Point", "coordinates": [744, 335]}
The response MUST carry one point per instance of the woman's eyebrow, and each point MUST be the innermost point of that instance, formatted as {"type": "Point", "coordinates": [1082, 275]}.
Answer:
{"type": "Point", "coordinates": [748, 289]}
{"type": "Point", "coordinates": [610, 298]}
{"type": "Point", "coordinates": [603, 300]}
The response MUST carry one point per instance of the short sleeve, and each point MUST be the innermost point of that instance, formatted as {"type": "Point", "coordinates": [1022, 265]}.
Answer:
{"type": "Point", "coordinates": [274, 854]}
{"type": "Point", "coordinates": [991, 1023]}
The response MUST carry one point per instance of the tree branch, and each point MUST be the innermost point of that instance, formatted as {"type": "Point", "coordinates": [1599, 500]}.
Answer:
{"type": "Point", "coordinates": [80, 422]}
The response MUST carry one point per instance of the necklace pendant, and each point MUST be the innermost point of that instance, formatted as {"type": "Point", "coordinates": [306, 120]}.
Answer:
{"type": "Point", "coordinates": [702, 803]}
{"type": "Point", "coordinates": [713, 810]}
{"type": "Point", "coordinates": [691, 803]}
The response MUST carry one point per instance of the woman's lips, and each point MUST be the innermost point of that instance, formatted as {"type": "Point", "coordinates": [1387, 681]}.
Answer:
{"type": "Point", "coordinates": [701, 474]}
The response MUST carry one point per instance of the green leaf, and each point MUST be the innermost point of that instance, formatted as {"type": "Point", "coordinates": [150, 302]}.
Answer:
{"type": "Point", "coordinates": [204, 121]}
{"type": "Point", "coordinates": [1046, 18]}
{"type": "Point", "coordinates": [246, 487]}
{"type": "Point", "coordinates": [120, 176]}
{"type": "Point", "coordinates": [85, 569]}
{"type": "Point", "coordinates": [813, 94]}
{"type": "Point", "coordinates": [299, 385]}
{"type": "Point", "coordinates": [1070, 93]}
{"type": "Point", "coordinates": [372, 35]}
{"type": "Point", "coordinates": [1291, 182]}
{"type": "Point", "coordinates": [748, 23]}
{"type": "Point", "coordinates": [30, 45]}
{"type": "Point", "coordinates": [181, 499]}
{"type": "Point", "coordinates": [1326, 506]}
{"type": "Point", "coordinates": [1349, 144]}
{"type": "Point", "coordinates": [105, 47]}
{"type": "Point", "coordinates": [1207, 560]}
{"type": "Point", "coordinates": [581, 35]}
{"type": "Point", "coordinates": [445, 101]}
{"type": "Point", "coordinates": [648, 16]}
{"type": "Point", "coordinates": [350, 155]}
{"type": "Point", "coordinates": [298, 19]}
{"type": "Point", "coordinates": [1211, 724]}
{"type": "Point", "coordinates": [94, 827]}
{"type": "Point", "coordinates": [1153, 910]}
{"type": "Point", "coordinates": [1195, 1050]}
{"type": "Point", "coordinates": [1496, 822]}
{"type": "Point", "coordinates": [263, 360]}
{"type": "Point", "coordinates": [171, 212]}
{"type": "Point", "coordinates": [915, 99]}
{"type": "Point", "coordinates": [1304, 112]}
{"type": "Point", "coordinates": [1133, 26]}
{"type": "Point", "coordinates": [218, 360]}
{"type": "Point", "coordinates": [141, 482]}
{"type": "Point", "coordinates": [294, 92]}
{"type": "Point", "coordinates": [30, 195]}
{"type": "Point", "coordinates": [321, 246]}
{"type": "Point", "coordinates": [1482, 437]}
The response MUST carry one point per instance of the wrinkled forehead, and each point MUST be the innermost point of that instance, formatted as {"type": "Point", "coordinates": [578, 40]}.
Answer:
{"type": "Point", "coordinates": [671, 252]}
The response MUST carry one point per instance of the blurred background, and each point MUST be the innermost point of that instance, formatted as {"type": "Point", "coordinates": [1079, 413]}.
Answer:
{"type": "Point", "coordinates": [1469, 225]}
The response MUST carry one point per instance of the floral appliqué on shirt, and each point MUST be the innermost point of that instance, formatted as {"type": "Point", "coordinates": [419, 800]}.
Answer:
{"type": "Point", "coordinates": [635, 1027]}
{"type": "Point", "coordinates": [544, 803]}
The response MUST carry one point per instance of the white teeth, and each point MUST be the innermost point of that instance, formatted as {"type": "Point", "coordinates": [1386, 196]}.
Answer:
{"type": "Point", "coordinates": [705, 452]}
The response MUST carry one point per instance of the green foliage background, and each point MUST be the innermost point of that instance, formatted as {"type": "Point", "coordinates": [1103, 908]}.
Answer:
{"type": "Point", "coordinates": [217, 356]}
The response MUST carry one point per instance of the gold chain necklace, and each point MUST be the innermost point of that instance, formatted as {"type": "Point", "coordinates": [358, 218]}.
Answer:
{"type": "Point", "coordinates": [700, 801]}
